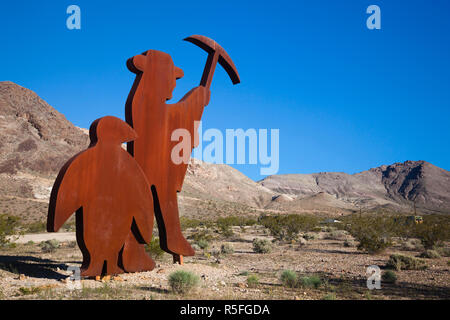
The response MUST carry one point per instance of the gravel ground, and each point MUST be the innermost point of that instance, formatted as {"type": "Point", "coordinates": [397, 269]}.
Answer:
{"type": "Point", "coordinates": [28, 273]}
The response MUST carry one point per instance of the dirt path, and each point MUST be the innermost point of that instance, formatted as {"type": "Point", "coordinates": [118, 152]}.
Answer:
{"type": "Point", "coordinates": [41, 237]}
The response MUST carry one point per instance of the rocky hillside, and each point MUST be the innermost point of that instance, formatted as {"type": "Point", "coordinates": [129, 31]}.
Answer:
{"type": "Point", "coordinates": [34, 137]}
{"type": "Point", "coordinates": [35, 141]}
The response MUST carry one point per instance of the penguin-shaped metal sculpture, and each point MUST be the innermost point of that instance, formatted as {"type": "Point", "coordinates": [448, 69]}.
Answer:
{"type": "Point", "coordinates": [109, 192]}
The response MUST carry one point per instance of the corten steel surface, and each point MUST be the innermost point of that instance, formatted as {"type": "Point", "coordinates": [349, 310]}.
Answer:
{"type": "Point", "coordinates": [215, 54]}
{"type": "Point", "coordinates": [154, 120]}
{"type": "Point", "coordinates": [108, 190]}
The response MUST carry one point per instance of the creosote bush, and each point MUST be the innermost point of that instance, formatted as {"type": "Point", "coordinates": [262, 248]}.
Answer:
{"type": "Point", "coordinates": [226, 248]}
{"type": "Point", "coordinates": [403, 262]}
{"type": "Point", "coordinates": [372, 232]}
{"type": "Point", "coordinates": [8, 227]}
{"type": "Point", "coordinates": [29, 290]}
{"type": "Point", "coordinates": [389, 276]}
{"type": "Point", "coordinates": [153, 248]}
{"type": "Point", "coordinates": [434, 230]}
{"type": "Point", "coordinates": [252, 281]}
{"type": "Point", "coordinates": [36, 227]}
{"type": "Point", "coordinates": [49, 245]}
{"type": "Point", "coordinates": [287, 227]}
{"type": "Point", "coordinates": [443, 251]}
{"type": "Point", "coordinates": [337, 235]}
{"type": "Point", "coordinates": [310, 282]}
{"type": "Point", "coordinates": [262, 246]}
{"type": "Point", "coordinates": [182, 281]}
{"type": "Point", "coordinates": [430, 254]}
{"type": "Point", "coordinates": [329, 296]}
{"type": "Point", "coordinates": [412, 245]}
{"type": "Point", "coordinates": [193, 223]}
{"type": "Point", "coordinates": [202, 243]}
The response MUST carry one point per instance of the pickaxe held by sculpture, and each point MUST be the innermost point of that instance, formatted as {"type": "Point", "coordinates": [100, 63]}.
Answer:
{"type": "Point", "coordinates": [215, 54]}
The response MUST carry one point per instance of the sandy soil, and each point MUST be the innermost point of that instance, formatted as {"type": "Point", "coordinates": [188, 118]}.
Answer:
{"type": "Point", "coordinates": [41, 237]}
{"type": "Point", "coordinates": [26, 272]}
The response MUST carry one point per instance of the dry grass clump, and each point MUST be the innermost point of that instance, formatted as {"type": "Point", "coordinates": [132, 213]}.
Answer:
{"type": "Point", "coordinates": [403, 262]}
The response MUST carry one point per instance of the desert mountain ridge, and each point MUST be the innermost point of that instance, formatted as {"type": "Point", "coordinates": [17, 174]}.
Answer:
{"type": "Point", "coordinates": [36, 140]}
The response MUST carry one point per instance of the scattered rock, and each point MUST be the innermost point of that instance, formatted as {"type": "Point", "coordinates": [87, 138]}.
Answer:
{"type": "Point", "coordinates": [242, 285]}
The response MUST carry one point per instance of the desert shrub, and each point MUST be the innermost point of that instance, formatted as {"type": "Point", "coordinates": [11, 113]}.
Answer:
{"type": "Point", "coordinates": [443, 251]}
{"type": "Point", "coordinates": [412, 245]}
{"type": "Point", "coordinates": [289, 278]}
{"type": "Point", "coordinates": [29, 290]}
{"type": "Point", "coordinates": [403, 262]}
{"type": "Point", "coordinates": [252, 281]}
{"type": "Point", "coordinates": [153, 248]}
{"type": "Point", "coordinates": [49, 245]}
{"type": "Point", "coordinates": [224, 224]}
{"type": "Point", "coordinates": [349, 243]}
{"type": "Point", "coordinates": [389, 276]}
{"type": "Point", "coordinates": [235, 221]}
{"type": "Point", "coordinates": [327, 229]}
{"type": "Point", "coordinates": [337, 235]}
{"type": "Point", "coordinates": [202, 243]}
{"type": "Point", "coordinates": [201, 235]}
{"type": "Point", "coordinates": [310, 282]}
{"type": "Point", "coordinates": [430, 254]}
{"type": "Point", "coordinates": [261, 246]}
{"type": "Point", "coordinates": [192, 223]}
{"type": "Point", "coordinates": [226, 248]}
{"type": "Point", "coordinates": [373, 245]}
{"type": "Point", "coordinates": [182, 281]}
{"type": "Point", "coordinates": [434, 230]}
{"type": "Point", "coordinates": [36, 227]}
{"type": "Point", "coordinates": [8, 226]}
{"type": "Point", "coordinates": [71, 244]}
{"type": "Point", "coordinates": [287, 227]}
{"type": "Point", "coordinates": [309, 236]}
{"type": "Point", "coordinates": [373, 233]}
{"type": "Point", "coordinates": [329, 296]}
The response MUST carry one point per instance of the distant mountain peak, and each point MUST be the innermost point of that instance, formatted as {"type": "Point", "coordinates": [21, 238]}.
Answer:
{"type": "Point", "coordinates": [397, 186]}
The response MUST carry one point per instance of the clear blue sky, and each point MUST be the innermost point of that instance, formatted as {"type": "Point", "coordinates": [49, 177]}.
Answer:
{"type": "Point", "coordinates": [345, 98]}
